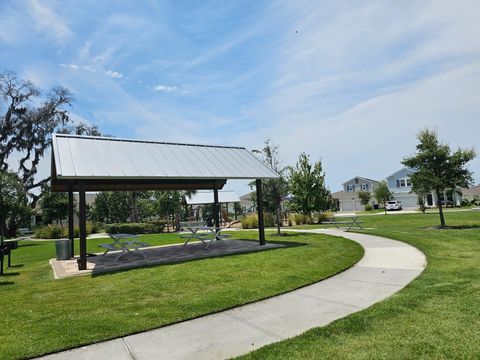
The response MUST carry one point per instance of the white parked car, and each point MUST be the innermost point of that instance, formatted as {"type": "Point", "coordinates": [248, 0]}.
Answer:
{"type": "Point", "coordinates": [394, 205]}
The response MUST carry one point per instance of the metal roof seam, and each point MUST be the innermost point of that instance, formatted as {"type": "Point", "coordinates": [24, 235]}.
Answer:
{"type": "Point", "coordinates": [230, 161]}
{"type": "Point", "coordinates": [71, 157]}
{"type": "Point", "coordinates": [188, 157]}
{"type": "Point", "coordinates": [155, 164]}
{"type": "Point", "coordinates": [179, 161]}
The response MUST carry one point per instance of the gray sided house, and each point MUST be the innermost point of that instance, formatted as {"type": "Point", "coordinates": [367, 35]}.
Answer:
{"type": "Point", "coordinates": [348, 200]}
{"type": "Point", "coordinates": [472, 193]}
{"type": "Point", "coordinates": [400, 185]}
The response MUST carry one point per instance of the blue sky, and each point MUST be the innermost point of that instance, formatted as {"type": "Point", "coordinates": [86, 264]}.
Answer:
{"type": "Point", "coordinates": [347, 82]}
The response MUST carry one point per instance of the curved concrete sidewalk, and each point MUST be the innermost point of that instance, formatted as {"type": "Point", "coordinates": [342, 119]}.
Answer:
{"type": "Point", "coordinates": [386, 267]}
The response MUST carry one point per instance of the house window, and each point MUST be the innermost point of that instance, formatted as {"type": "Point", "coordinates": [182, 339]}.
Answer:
{"type": "Point", "coordinates": [405, 182]}
{"type": "Point", "coordinates": [364, 187]}
{"type": "Point", "coordinates": [350, 188]}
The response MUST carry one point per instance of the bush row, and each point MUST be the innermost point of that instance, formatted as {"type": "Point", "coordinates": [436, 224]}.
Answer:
{"type": "Point", "coordinates": [474, 202]}
{"type": "Point", "coordinates": [251, 221]}
{"type": "Point", "coordinates": [315, 218]}
{"type": "Point", "coordinates": [152, 227]}
{"type": "Point", "coordinates": [54, 231]}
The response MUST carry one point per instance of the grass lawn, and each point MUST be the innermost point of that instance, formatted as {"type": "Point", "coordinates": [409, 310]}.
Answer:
{"type": "Point", "coordinates": [41, 315]}
{"type": "Point", "coordinates": [437, 316]}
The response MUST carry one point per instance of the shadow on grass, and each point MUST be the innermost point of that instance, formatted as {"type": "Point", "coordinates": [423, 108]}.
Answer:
{"type": "Point", "coordinates": [282, 235]}
{"type": "Point", "coordinates": [6, 282]}
{"type": "Point", "coordinates": [452, 227]}
{"type": "Point", "coordinates": [20, 245]}
{"type": "Point", "coordinates": [463, 227]}
{"type": "Point", "coordinates": [280, 245]}
{"type": "Point", "coordinates": [10, 273]}
{"type": "Point", "coordinates": [17, 266]}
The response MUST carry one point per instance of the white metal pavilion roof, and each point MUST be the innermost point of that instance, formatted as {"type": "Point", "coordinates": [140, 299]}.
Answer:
{"type": "Point", "coordinates": [88, 157]}
{"type": "Point", "coordinates": [206, 197]}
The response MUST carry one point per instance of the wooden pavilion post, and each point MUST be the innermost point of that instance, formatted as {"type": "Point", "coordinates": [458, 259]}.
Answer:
{"type": "Point", "coordinates": [82, 264]}
{"type": "Point", "coordinates": [71, 232]}
{"type": "Point", "coordinates": [261, 223]}
{"type": "Point", "coordinates": [216, 207]}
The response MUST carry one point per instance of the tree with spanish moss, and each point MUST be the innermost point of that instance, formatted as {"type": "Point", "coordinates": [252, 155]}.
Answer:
{"type": "Point", "coordinates": [28, 118]}
{"type": "Point", "coordinates": [13, 203]}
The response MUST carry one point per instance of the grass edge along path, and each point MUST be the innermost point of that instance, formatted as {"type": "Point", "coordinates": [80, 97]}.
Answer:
{"type": "Point", "coordinates": [436, 316]}
{"type": "Point", "coordinates": [41, 315]}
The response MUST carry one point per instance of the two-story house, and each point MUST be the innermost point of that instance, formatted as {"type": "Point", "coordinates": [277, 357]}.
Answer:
{"type": "Point", "coordinates": [348, 200]}
{"type": "Point", "coordinates": [400, 185]}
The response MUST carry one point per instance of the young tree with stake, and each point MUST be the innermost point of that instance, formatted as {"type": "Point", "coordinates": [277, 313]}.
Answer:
{"type": "Point", "coordinates": [438, 168]}
{"type": "Point", "coordinates": [382, 194]}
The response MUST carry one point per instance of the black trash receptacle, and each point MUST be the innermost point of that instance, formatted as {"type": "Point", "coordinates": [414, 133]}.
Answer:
{"type": "Point", "coordinates": [63, 249]}
{"type": "Point", "coordinates": [375, 206]}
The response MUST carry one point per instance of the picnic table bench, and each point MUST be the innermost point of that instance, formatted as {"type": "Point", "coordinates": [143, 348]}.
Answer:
{"type": "Point", "coordinates": [6, 250]}
{"type": "Point", "coordinates": [124, 243]}
{"type": "Point", "coordinates": [200, 231]}
{"type": "Point", "coordinates": [349, 223]}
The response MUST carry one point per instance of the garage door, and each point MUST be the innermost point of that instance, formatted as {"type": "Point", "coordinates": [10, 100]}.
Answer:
{"type": "Point", "coordinates": [351, 205]}
{"type": "Point", "coordinates": [408, 200]}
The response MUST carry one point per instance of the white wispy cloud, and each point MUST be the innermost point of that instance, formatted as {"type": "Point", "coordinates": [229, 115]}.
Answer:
{"type": "Point", "coordinates": [165, 88]}
{"type": "Point", "coordinates": [113, 74]}
{"type": "Point", "coordinates": [48, 21]}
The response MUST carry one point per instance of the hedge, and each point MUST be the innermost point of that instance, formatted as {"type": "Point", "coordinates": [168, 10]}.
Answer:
{"type": "Point", "coordinates": [58, 232]}
{"type": "Point", "coordinates": [136, 228]}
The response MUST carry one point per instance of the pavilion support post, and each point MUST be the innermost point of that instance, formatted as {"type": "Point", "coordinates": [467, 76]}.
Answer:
{"type": "Point", "coordinates": [82, 264]}
{"type": "Point", "coordinates": [71, 232]}
{"type": "Point", "coordinates": [261, 223]}
{"type": "Point", "coordinates": [216, 207]}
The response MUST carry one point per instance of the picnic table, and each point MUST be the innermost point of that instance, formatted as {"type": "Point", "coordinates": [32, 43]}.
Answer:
{"type": "Point", "coordinates": [205, 234]}
{"type": "Point", "coordinates": [125, 243]}
{"type": "Point", "coordinates": [6, 250]}
{"type": "Point", "coordinates": [350, 223]}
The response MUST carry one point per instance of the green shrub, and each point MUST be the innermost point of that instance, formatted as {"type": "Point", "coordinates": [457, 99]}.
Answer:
{"type": "Point", "coordinates": [324, 216]}
{"type": "Point", "coordinates": [50, 232]}
{"type": "Point", "coordinates": [251, 221]}
{"type": "Point", "coordinates": [299, 219]}
{"type": "Point", "coordinates": [135, 228]}
{"type": "Point", "coordinates": [368, 207]}
{"type": "Point", "coordinates": [269, 220]}
{"type": "Point", "coordinates": [92, 228]}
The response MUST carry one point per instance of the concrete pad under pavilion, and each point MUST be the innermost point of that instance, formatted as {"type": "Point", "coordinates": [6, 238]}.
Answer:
{"type": "Point", "coordinates": [157, 255]}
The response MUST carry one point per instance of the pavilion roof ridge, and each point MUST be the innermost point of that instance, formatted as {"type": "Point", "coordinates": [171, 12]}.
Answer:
{"type": "Point", "coordinates": [106, 138]}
